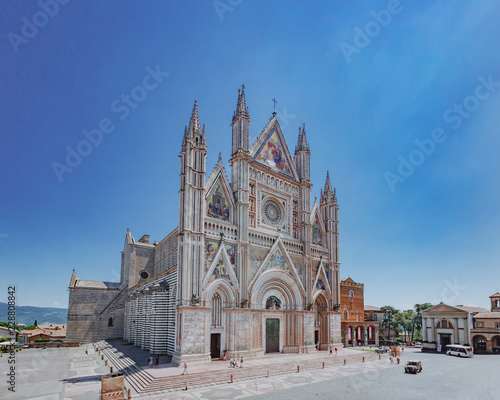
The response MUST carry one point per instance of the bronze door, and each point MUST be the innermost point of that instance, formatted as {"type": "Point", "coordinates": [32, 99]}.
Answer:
{"type": "Point", "coordinates": [215, 345]}
{"type": "Point", "coordinates": [272, 335]}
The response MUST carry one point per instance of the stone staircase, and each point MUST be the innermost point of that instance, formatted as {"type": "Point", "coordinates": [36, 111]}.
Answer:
{"type": "Point", "coordinates": [136, 377]}
{"type": "Point", "coordinates": [143, 382]}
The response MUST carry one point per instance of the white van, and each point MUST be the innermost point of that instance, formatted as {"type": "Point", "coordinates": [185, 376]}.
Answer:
{"type": "Point", "coordinates": [460, 351]}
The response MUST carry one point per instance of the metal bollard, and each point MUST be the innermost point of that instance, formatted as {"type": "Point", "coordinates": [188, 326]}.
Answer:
{"type": "Point", "coordinates": [232, 381]}
{"type": "Point", "coordinates": [345, 361]}
{"type": "Point", "coordinates": [298, 369]}
{"type": "Point", "coordinates": [268, 373]}
{"type": "Point", "coordinates": [187, 384]}
{"type": "Point", "coordinates": [111, 369]}
{"type": "Point", "coordinates": [379, 356]}
{"type": "Point", "coordinates": [363, 358]}
{"type": "Point", "coordinates": [129, 396]}
{"type": "Point", "coordinates": [106, 363]}
{"type": "Point", "coordinates": [323, 365]}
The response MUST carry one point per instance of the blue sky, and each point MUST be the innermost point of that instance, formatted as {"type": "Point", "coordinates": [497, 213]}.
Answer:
{"type": "Point", "coordinates": [429, 232]}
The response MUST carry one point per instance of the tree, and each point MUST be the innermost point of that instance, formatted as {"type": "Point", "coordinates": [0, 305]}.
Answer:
{"type": "Point", "coordinates": [388, 321]}
{"type": "Point", "coordinates": [36, 322]}
{"type": "Point", "coordinates": [418, 316]}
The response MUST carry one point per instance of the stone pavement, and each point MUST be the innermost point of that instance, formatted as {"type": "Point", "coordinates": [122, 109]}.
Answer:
{"type": "Point", "coordinates": [255, 388]}
{"type": "Point", "coordinates": [70, 373]}
{"type": "Point", "coordinates": [145, 379]}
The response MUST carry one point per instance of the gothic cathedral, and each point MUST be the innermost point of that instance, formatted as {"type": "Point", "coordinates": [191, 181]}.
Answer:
{"type": "Point", "coordinates": [252, 268]}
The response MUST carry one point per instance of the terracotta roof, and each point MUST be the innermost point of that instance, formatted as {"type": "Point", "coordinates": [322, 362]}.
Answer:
{"type": "Point", "coordinates": [494, 314]}
{"type": "Point", "coordinates": [473, 309]}
{"type": "Point", "coordinates": [497, 294]}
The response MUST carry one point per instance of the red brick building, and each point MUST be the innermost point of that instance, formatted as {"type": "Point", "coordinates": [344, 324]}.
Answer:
{"type": "Point", "coordinates": [355, 330]}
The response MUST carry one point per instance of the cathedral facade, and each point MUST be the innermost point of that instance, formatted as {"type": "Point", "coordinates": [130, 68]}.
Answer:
{"type": "Point", "coordinates": [252, 268]}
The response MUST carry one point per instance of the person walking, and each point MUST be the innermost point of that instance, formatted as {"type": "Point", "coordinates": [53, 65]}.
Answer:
{"type": "Point", "coordinates": [391, 359]}
{"type": "Point", "coordinates": [331, 350]}
{"type": "Point", "coordinates": [241, 362]}
{"type": "Point", "coordinates": [157, 362]}
{"type": "Point", "coordinates": [185, 369]}
{"type": "Point", "coordinates": [150, 361]}
{"type": "Point", "coordinates": [335, 351]}
{"type": "Point", "coordinates": [398, 359]}
{"type": "Point", "coordinates": [231, 364]}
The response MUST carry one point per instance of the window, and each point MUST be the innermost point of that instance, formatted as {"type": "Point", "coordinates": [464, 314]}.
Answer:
{"type": "Point", "coordinates": [374, 317]}
{"type": "Point", "coordinates": [351, 293]}
{"type": "Point", "coordinates": [497, 303]}
{"type": "Point", "coordinates": [346, 315]}
{"type": "Point", "coordinates": [498, 325]}
{"type": "Point", "coordinates": [110, 322]}
{"type": "Point", "coordinates": [357, 318]}
{"type": "Point", "coordinates": [444, 324]}
{"type": "Point", "coordinates": [216, 310]}
{"type": "Point", "coordinates": [479, 324]}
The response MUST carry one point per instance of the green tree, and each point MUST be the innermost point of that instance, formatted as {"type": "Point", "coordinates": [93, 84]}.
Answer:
{"type": "Point", "coordinates": [36, 322]}
{"type": "Point", "coordinates": [388, 322]}
{"type": "Point", "coordinates": [418, 316]}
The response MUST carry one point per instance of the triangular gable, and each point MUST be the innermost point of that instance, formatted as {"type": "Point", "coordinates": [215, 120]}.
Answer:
{"type": "Point", "coordinates": [277, 261]}
{"type": "Point", "coordinates": [281, 261]}
{"type": "Point", "coordinates": [220, 202]}
{"type": "Point", "coordinates": [321, 282]}
{"type": "Point", "coordinates": [441, 307]}
{"type": "Point", "coordinates": [318, 229]}
{"type": "Point", "coordinates": [270, 150]}
{"type": "Point", "coordinates": [221, 269]}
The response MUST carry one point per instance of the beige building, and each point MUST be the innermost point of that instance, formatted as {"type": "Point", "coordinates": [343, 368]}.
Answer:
{"type": "Point", "coordinates": [486, 329]}
{"type": "Point", "coordinates": [443, 324]}
{"type": "Point", "coordinates": [251, 268]}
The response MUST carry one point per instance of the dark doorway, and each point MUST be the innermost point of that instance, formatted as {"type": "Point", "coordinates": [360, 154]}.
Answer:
{"type": "Point", "coordinates": [215, 345]}
{"type": "Point", "coordinates": [445, 340]}
{"type": "Point", "coordinates": [316, 337]}
{"type": "Point", "coordinates": [272, 335]}
{"type": "Point", "coordinates": [480, 347]}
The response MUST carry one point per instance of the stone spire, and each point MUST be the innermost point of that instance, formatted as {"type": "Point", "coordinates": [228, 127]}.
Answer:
{"type": "Point", "coordinates": [241, 105]}
{"type": "Point", "coordinates": [302, 144]}
{"type": "Point", "coordinates": [328, 193]}
{"type": "Point", "coordinates": [194, 122]}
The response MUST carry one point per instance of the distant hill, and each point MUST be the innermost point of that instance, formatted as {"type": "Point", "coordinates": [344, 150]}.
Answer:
{"type": "Point", "coordinates": [28, 314]}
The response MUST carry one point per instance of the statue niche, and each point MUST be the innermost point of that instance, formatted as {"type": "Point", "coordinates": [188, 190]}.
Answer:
{"type": "Point", "coordinates": [273, 303]}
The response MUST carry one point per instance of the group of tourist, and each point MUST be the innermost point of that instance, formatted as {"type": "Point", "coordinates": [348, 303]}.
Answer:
{"type": "Point", "coordinates": [156, 361]}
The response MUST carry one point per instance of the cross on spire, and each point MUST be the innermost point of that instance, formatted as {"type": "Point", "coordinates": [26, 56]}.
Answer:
{"type": "Point", "coordinates": [274, 101]}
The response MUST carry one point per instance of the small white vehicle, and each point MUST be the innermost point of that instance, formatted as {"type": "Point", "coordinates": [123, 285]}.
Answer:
{"type": "Point", "coordinates": [459, 350]}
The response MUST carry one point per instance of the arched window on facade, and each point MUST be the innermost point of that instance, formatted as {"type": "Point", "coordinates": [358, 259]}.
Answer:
{"type": "Point", "coordinates": [346, 315]}
{"type": "Point", "coordinates": [216, 310]}
{"type": "Point", "coordinates": [110, 322]}
{"type": "Point", "coordinates": [351, 293]}
{"type": "Point", "coordinates": [444, 324]}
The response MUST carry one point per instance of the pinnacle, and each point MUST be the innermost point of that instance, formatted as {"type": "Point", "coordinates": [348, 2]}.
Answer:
{"type": "Point", "coordinates": [194, 123]}
{"type": "Point", "coordinates": [241, 105]}
{"type": "Point", "coordinates": [302, 139]}
{"type": "Point", "coordinates": [328, 184]}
